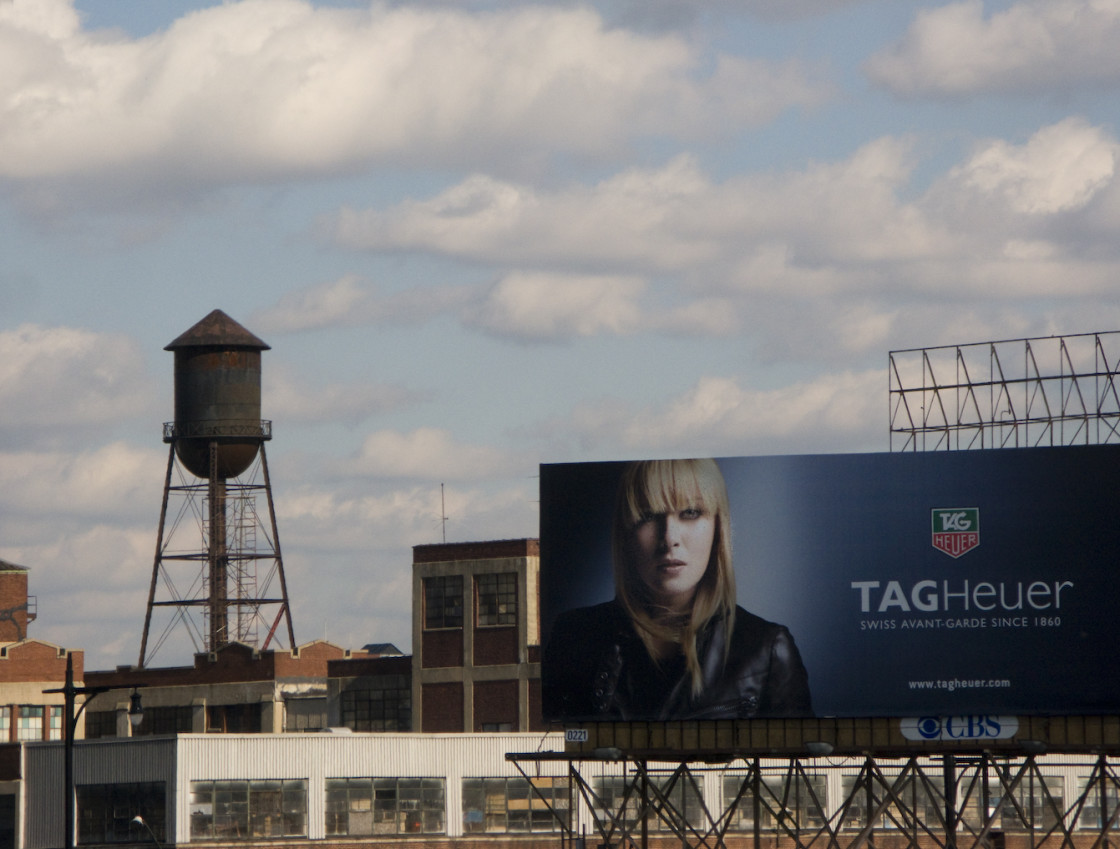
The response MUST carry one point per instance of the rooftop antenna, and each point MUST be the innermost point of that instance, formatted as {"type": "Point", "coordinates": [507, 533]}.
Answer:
{"type": "Point", "coordinates": [442, 513]}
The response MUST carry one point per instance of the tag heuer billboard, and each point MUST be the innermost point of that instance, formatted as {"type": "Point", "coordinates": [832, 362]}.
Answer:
{"type": "Point", "coordinates": [953, 583]}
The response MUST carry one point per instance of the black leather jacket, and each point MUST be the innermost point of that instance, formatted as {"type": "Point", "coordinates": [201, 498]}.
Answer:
{"type": "Point", "coordinates": [595, 667]}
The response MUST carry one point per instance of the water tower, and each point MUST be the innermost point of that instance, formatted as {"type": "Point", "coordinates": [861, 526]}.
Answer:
{"type": "Point", "coordinates": [216, 472]}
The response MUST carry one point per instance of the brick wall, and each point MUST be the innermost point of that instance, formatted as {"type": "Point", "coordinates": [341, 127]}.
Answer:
{"type": "Point", "coordinates": [443, 707]}
{"type": "Point", "coordinates": [493, 646]}
{"type": "Point", "coordinates": [495, 702]}
{"type": "Point", "coordinates": [442, 648]}
{"type": "Point", "coordinates": [13, 605]}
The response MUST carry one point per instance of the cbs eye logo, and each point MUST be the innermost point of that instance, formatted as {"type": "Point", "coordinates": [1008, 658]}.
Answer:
{"type": "Point", "coordinates": [929, 727]}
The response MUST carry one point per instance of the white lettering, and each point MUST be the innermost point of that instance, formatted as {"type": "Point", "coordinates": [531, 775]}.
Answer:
{"type": "Point", "coordinates": [865, 588]}
{"type": "Point", "coordinates": [928, 597]}
{"type": "Point", "coordinates": [924, 596]}
{"type": "Point", "coordinates": [955, 521]}
{"type": "Point", "coordinates": [893, 597]}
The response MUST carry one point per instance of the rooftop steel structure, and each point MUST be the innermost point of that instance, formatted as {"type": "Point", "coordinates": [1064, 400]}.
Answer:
{"type": "Point", "coordinates": [1015, 393]}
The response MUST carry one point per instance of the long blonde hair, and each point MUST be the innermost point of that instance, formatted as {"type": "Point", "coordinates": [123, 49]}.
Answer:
{"type": "Point", "coordinates": [669, 486]}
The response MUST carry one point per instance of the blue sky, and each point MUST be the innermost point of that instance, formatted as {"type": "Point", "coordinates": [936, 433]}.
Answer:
{"type": "Point", "coordinates": [479, 236]}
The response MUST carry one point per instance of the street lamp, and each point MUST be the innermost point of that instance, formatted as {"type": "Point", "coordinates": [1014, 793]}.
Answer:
{"type": "Point", "coordinates": [70, 692]}
{"type": "Point", "coordinates": [139, 820]}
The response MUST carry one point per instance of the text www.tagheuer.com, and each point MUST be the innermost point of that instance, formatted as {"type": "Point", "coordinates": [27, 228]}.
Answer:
{"type": "Point", "coordinates": [962, 684]}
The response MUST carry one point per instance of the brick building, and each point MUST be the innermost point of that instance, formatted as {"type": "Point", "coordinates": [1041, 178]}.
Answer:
{"type": "Point", "coordinates": [236, 689]}
{"type": "Point", "coordinates": [28, 667]}
{"type": "Point", "coordinates": [475, 665]}
{"type": "Point", "coordinates": [476, 636]}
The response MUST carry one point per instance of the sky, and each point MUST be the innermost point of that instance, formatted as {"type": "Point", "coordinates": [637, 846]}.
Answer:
{"type": "Point", "coordinates": [483, 235]}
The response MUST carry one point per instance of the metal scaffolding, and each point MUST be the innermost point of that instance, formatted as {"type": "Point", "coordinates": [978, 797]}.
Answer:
{"type": "Point", "coordinates": [218, 570]}
{"type": "Point", "coordinates": [980, 801]}
{"type": "Point", "coordinates": [1016, 393]}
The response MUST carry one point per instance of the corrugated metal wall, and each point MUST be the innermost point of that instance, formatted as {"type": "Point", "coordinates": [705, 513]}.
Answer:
{"type": "Point", "coordinates": [103, 761]}
{"type": "Point", "coordinates": [317, 757]}
{"type": "Point", "coordinates": [178, 761]}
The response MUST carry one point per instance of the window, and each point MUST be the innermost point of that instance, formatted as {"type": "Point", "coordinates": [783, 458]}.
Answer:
{"type": "Point", "coordinates": [443, 602]}
{"type": "Point", "coordinates": [243, 810]}
{"type": "Point", "coordinates": [1092, 816]}
{"type": "Point", "coordinates": [922, 797]}
{"type": "Point", "coordinates": [5, 723]}
{"type": "Point", "coordinates": [503, 805]}
{"type": "Point", "coordinates": [358, 806]}
{"type": "Point", "coordinates": [788, 802]}
{"type": "Point", "coordinates": [54, 722]}
{"type": "Point", "coordinates": [29, 722]}
{"type": "Point", "coordinates": [233, 719]}
{"type": "Point", "coordinates": [105, 812]}
{"type": "Point", "coordinates": [1036, 804]}
{"type": "Point", "coordinates": [671, 803]}
{"type": "Point", "coordinates": [103, 723]}
{"type": "Point", "coordinates": [379, 703]}
{"type": "Point", "coordinates": [174, 719]}
{"type": "Point", "coordinates": [305, 714]}
{"type": "Point", "coordinates": [497, 599]}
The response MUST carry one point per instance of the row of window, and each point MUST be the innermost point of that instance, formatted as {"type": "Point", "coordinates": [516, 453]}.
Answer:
{"type": "Point", "coordinates": [242, 810]}
{"type": "Point", "coordinates": [30, 722]}
{"type": "Point", "coordinates": [179, 719]}
{"type": "Point", "coordinates": [384, 703]}
{"type": "Point", "coordinates": [495, 600]}
{"type": "Point", "coordinates": [239, 810]}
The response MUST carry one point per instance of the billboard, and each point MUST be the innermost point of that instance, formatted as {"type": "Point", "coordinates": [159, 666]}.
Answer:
{"type": "Point", "coordinates": [971, 582]}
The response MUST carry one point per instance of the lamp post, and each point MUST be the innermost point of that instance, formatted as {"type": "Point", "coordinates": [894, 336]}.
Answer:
{"type": "Point", "coordinates": [70, 694]}
{"type": "Point", "coordinates": [139, 820]}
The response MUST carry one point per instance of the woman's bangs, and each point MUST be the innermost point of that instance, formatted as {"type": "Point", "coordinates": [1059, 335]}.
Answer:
{"type": "Point", "coordinates": [668, 487]}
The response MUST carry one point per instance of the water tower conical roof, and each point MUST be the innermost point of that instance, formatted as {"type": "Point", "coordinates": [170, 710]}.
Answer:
{"type": "Point", "coordinates": [217, 330]}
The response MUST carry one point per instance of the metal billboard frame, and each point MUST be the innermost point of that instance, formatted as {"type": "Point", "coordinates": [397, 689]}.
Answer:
{"type": "Point", "coordinates": [889, 803]}
{"type": "Point", "coordinates": [1027, 392]}
{"type": "Point", "coordinates": [1014, 393]}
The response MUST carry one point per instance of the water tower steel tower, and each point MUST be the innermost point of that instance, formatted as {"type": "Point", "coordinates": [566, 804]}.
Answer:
{"type": "Point", "coordinates": [218, 438]}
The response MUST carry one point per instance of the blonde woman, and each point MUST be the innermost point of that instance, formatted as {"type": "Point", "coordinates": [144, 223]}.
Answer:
{"type": "Point", "coordinates": [672, 644]}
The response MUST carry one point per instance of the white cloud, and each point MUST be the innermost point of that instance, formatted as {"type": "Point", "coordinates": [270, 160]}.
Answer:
{"type": "Point", "coordinates": [263, 87]}
{"type": "Point", "coordinates": [90, 582]}
{"type": "Point", "coordinates": [114, 481]}
{"type": "Point", "coordinates": [332, 303]}
{"type": "Point", "coordinates": [999, 224]}
{"type": "Point", "coordinates": [1029, 47]}
{"type": "Point", "coordinates": [349, 302]}
{"type": "Point", "coordinates": [99, 555]}
{"type": "Point", "coordinates": [292, 399]}
{"type": "Point", "coordinates": [669, 219]}
{"type": "Point", "coordinates": [429, 453]}
{"type": "Point", "coordinates": [549, 307]}
{"type": "Point", "coordinates": [401, 515]}
{"type": "Point", "coordinates": [1061, 168]}
{"type": "Point", "coordinates": [704, 317]}
{"type": "Point", "coordinates": [62, 381]}
{"type": "Point", "coordinates": [718, 416]}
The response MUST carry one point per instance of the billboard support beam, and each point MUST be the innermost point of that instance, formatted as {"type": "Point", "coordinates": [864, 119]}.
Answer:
{"type": "Point", "coordinates": [956, 792]}
{"type": "Point", "coordinates": [949, 778]}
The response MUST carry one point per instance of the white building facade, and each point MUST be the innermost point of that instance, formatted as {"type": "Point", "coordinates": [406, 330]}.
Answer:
{"type": "Point", "coordinates": [444, 789]}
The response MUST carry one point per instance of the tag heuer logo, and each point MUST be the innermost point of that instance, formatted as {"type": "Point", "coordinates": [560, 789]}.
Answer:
{"type": "Point", "coordinates": [956, 530]}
